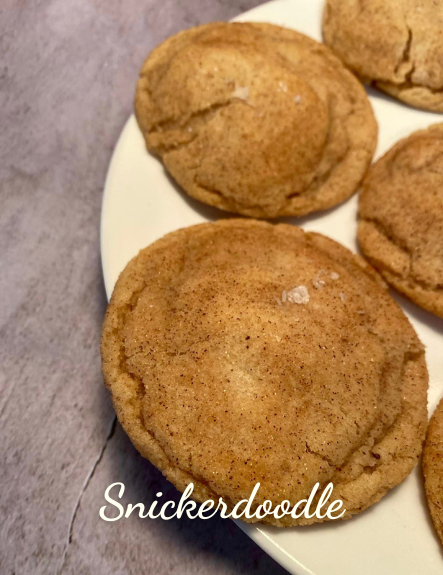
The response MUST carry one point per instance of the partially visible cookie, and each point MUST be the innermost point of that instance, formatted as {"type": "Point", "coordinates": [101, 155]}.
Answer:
{"type": "Point", "coordinates": [255, 119]}
{"type": "Point", "coordinates": [433, 468]}
{"type": "Point", "coordinates": [400, 226]}
{"type": "Point", "coordinates": [397, 45]}
{"type": "Point", "coordinates": [241, 352]}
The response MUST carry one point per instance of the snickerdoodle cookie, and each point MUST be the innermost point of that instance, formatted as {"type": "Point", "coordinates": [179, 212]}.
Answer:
{"type": "Point", "coordinates": [397, 45]}
{"type": "Point", "coordinates": [241, 352]}
{"type": "Point", "coordinates": [400, 227]}
{"type": "Point", "coordinates": [433, 468]}
{"type": "Point", "coordinates": [255, 119]}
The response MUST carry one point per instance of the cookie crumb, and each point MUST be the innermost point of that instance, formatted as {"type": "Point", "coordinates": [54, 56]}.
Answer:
{"type": "Point", "coordinates": [297, 99]}
{"type": "Point", "coordinates": [342, 296]}
{"type": "Point", "coordinates": [334, 275]}
{"type": "Point", "coordinates": [241, 92]}
{"type": "Point", "coordinates": [298, 295]}
{"type": "Point", "coordinates": [282, 87]}
{"type": "Point", "coordinates": [318, 284]}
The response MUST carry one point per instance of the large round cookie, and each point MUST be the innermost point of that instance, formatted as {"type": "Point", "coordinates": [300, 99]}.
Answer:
{"type": "Point", "coordinates": [397, 45]}
{"type": "Point", "coordinates": [255, 119]}
{"type": "Point", "coordinates": [241, 352]}
{"type": "Point", "coordinates": [400, 228]}
{"type": "Point", "coordinates": [433, 468]}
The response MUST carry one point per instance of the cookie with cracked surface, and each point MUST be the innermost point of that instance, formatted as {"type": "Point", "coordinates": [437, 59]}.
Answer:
{"type": "Point", "coordinates": [400, 227]}
{"type": "Point", "coordinates": [433, 468]}
{"type": "Point", "coordinates": [398, 46]}
{"type": "Point", "coordinates": [255, 119]}
{"type": "Point", "coordinates": [240, 352]}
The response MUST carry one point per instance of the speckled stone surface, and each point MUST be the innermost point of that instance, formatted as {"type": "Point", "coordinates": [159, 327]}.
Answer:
{"type": "Point", "coordinates": [67, 78]}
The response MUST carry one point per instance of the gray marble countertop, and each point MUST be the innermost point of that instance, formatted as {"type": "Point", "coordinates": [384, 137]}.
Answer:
{"type": "Point", "coordinates": [67, 77]}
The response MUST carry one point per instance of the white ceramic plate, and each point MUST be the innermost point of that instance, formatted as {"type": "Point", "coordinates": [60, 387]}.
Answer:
{"type": "Point", "coordinates": [141, 204]}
